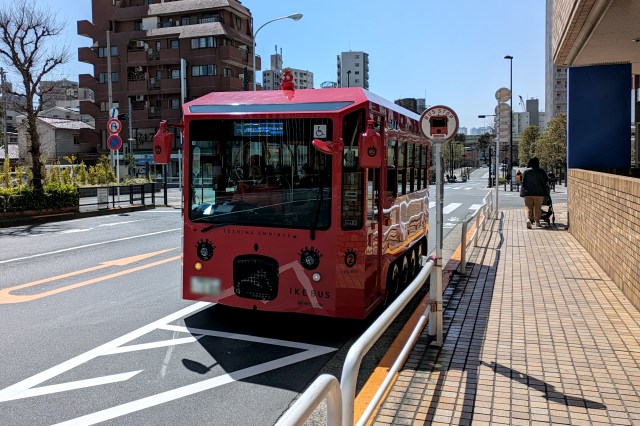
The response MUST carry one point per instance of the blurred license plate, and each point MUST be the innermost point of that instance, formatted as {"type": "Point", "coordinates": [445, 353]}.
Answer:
{"type": "Point", "coordinates": [205, 285]}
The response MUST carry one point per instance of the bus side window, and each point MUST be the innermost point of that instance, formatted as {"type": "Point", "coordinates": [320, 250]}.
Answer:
{"type": "Point", "coordinates": [402, 166]}
{"type": "Point", "coordinates": [411, 172]}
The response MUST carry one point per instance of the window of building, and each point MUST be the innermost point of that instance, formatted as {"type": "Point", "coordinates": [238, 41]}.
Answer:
{"type": "Point", "coordinates": [102, 51]}
{"type": "Point", "coordinates": [174, 103]}
{"type": "Point", "coordinates": [357, 56]}
{"type": "Point", "coordinates": [175, 73]}
{"type": "Point", "coordinates": [76, 139]}
{"type": "Point", "coordinates": [104, 106]}
{"type": "Point", "coordinates": [228, 72]}
{"type": "Point", "coordinates": [173, 43]}
{"type": "Point", "coordinates": [357, 72]}
{"type": "Point", "coordinates": [357, 64]}
{"type": "Point", "coordinates": [238, 22]}
{"type": "Point", "coordinates": [203, 42]}
{"type": "Point", "coordinates": [103, 77]}
{"type": "Point", "coordinates": [202, 70]}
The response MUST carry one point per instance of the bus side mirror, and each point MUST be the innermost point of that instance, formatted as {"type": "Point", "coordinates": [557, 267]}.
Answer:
{"type": "Point", "coordinates": [370, 148]}
{"type": "Point", "coordinates": [325, 147]}
{"type": "Point", "coordinates": [162, 143]}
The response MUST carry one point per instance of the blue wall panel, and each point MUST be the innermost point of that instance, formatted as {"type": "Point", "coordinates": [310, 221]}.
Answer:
{"type": "Point", "coordinates": [599, 117]}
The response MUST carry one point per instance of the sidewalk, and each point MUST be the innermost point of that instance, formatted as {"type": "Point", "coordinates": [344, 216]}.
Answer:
{"type": "Point", "coordinates": [535, 333]}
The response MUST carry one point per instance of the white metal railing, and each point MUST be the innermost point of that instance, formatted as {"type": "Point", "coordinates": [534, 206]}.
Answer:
{"type": "Point", "coordinates": [310, 399]}
{"type": "Point", "coordinates": [481, 215]}
{"type": "Point", "coordinates": [326, 387]}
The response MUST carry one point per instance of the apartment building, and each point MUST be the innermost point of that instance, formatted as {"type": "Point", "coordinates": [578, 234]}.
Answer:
{"type": "Point", "coordinates": [271, 78]}
{"type": "Point", "coordinates": [353, 69]}
{"type": "Point", "coordinates": [157, 54]}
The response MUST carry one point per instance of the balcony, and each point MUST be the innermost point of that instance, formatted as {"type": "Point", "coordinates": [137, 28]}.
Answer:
{"type": "Point", "coordinates": [87, 29]}
{"type": "Point", "coordinates": [236, 56]}
{"type": "Point", "coordinates": [137, 87]}
{"type": "Point", "coordinates": [170, 85]}
{"type": "Point", "coordinates": [170, 55]}
{"type": "Point", "coordinates": [90, 108]}
{"type": "Point", "coordinates": [88, 81]}
{"type": "Point", "coordinates": [227, 84]}
{"type": "Point", "coordinates": [136, 57]}
{"type": "Point", "coordinates": [87, 55]}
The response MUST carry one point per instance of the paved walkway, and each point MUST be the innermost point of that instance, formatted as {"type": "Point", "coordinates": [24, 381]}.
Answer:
{"type": "Point", "coordinates": [535, 333]}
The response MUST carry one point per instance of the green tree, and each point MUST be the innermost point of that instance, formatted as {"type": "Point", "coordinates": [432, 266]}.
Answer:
{"type": "Point", "coordinates": [552, 146]}
{"type": "Point", "coordinates": [528, 144]}
{"type": "Point", "coordinates": [27, 31]}
{"type": "Point", "coordinates": [484, 142]}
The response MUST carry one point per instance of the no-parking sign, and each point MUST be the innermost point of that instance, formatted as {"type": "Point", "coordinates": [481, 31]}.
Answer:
{"type": "Point", "coordinates": [114, 142]}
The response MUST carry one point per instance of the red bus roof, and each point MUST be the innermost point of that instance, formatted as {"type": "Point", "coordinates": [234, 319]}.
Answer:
{"type": "Point", "coordinates": [269, 101]}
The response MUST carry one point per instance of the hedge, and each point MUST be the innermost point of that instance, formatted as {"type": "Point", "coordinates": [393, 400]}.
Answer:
{"type": "Point", "coordinates": [52, 196]}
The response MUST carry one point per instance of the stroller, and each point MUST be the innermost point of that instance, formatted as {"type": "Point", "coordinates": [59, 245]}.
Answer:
{"type": "Point", "coordinates": [548, 216]}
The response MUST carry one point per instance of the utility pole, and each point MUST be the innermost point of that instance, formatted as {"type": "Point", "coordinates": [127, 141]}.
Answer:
{"type": "Point", "coordinates": [5, 139]}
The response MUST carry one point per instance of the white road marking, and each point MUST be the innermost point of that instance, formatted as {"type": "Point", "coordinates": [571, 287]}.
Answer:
{"type": "Point", "coordinates": [88, 245]}
{"type": "Point", "coordinates": [78, 384]}
{"type": "Point", "coordinates": [119, 223]}
{"type": "Point", "coordinates": [27, 388]}
{"type": "Point", "coordinates": [74, 231]}
{"type": "Point", "coordinates": [450, 207]}
{"type": "Point", "coordinates": [475, 206]}
{"type": "Point", "coordinates": [152, 345]}
{"type": "Point", "coordinates": [26, 385]}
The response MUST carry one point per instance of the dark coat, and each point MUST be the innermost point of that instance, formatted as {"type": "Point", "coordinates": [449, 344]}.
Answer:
{"type": "Point", "coordinates": [535, 182]}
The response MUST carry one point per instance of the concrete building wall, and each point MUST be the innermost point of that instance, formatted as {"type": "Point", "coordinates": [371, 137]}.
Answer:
{"type": "Point", "coordinates": [353, 69]}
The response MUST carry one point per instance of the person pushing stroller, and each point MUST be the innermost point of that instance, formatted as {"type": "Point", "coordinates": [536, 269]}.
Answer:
{"type": "Point", "coordinates": [534, 188]}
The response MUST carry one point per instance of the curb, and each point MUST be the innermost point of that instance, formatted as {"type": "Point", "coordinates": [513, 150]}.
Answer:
{"type": "Point", "coordinates": [58, 217]}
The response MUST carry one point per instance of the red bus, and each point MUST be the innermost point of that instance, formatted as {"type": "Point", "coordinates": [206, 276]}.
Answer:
{"type": "Point", "coordinates": [313, 201]}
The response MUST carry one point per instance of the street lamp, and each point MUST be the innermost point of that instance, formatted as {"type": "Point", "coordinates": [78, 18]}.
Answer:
{"type": "Point", "coordinates": [294, 16]}
{"type": "Point", "coordinates": [5, 139]}
{"type": "Point", "coordinates": [490, 171]}
{"type": "Point", "coordinates": [510, 58]}
{"type": "Point", "coordinates": [348, 78]}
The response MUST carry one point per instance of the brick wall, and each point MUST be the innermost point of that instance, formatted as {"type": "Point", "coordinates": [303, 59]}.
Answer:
{"type": "Point", "coordinates": [604, 216]}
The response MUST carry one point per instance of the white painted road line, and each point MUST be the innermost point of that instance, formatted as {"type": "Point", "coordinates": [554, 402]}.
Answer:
{"type": "Point", "coordinates": [88, 245]}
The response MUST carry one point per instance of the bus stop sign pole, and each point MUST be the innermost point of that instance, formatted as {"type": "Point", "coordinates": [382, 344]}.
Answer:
{"type": "Point", "coordinates": [438, 124]}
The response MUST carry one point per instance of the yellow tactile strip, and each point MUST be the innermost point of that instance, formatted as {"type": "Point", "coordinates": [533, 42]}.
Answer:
{"type": "Point", "coordinates": [536, 333]}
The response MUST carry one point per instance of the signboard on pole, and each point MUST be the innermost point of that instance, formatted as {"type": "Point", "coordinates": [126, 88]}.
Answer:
{"type": "Point", "coordinates": [114, 126]}
{"type": "Point", "coordinates": [114, 142]}
{"type": "Point", "coordinates": [439, 123]}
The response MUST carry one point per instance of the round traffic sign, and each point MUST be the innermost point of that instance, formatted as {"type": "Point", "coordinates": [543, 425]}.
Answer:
{"type": "Point", "coordinates": [114, 126]}
{"type": "Point", "coordinates": [439, 123]}
{"type": "Point", "coordinates": [114, 142]}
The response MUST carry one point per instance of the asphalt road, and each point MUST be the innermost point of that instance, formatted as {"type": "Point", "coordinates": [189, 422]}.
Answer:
{"type": "Point", "coordinates": [94, 329]}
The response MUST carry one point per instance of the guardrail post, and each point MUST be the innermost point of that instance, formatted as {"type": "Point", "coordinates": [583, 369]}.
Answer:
{"type": "Point", "coordinates": [475, 234]}
{"type": "Point", "coordinates": [142, 195]}
{"type": "Point", "coordinates": [131, 194]}
{"type": "Point", "coordinates": [463, 249]}
{"type": "Point", "coordinates": [153, 193]}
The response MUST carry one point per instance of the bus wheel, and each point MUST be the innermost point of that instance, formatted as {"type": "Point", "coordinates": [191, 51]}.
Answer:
{"type": "Point", "coordinates": [419, 254]}
{"type": "Point", "coordinates": [393, 283]}
{"type": "Point", "coordinates": [404, 271]}
{"type": "Point", "coordinates": [413, 264]}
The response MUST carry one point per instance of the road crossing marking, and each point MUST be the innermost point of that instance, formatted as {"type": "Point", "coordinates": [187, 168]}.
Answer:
{"type": "Point", "coordinates": [450, 207]}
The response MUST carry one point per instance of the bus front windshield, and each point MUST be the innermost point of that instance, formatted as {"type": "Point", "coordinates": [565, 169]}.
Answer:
{"type": "Point", "coordinates": [259, 173]}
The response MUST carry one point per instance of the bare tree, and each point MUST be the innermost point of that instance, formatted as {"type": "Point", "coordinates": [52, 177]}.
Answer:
{"type": "Point", "coordinates": [26, 33]}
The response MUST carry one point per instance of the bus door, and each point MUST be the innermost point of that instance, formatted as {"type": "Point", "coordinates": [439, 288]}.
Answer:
{"type": "Point", "coordinates": [375, 211]}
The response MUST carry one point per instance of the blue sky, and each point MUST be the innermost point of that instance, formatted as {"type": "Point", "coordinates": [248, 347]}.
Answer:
{"type": "Point", "coordinates": [449, 52]}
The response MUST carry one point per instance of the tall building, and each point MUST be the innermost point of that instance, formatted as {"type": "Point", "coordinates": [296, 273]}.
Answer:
{"type": "Point", "coordinates": [161, 54]}
{"type": "Point", "coordinates": [353, 69]}
{"type": "Point", "coordinates": [555, 101]}
{"type": "Point", "coordinates": [63, 93]}
{"type": "Point", "coordinates": [272, 78]}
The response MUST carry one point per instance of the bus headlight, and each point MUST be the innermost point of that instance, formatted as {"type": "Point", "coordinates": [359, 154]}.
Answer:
{"type": "Point", "coordinates": [316, 276]}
